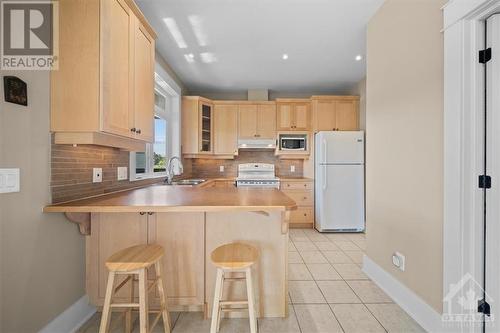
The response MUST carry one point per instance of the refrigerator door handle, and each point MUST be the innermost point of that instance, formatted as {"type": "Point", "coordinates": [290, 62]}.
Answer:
{"type": "Point", "coordinates": [325, 175]}
{"type": "Point", "coordinates": [323, 143]}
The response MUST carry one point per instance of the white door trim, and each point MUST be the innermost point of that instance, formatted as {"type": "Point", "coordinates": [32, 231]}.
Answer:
{"type": "Point", "coordinates": [463, 139]}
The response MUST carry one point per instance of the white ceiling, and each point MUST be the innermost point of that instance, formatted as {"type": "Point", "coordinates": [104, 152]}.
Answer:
{"type": "Point", "coordinates": [242, 42]}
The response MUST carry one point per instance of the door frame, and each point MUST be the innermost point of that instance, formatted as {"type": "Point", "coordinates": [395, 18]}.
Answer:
{"type": "Point", "coordinates": [463, 141]}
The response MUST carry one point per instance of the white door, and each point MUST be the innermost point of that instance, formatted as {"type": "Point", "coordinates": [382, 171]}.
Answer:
{"type": "Point", "coordinates": [341, 198]}
{"type": "Point", "coordinates": [341, 147]}
{"type": "Point", "coordinates": [492, 216]}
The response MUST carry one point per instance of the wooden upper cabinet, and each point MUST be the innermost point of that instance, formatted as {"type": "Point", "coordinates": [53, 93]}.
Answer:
{"type": "Point", "coordinates": [144, 83]}
{"type": "Point", "coordinates": [293, 115]}
{"type": "Point", "coordinates": [197, 121]}
{"type": "Point", "coordinates": [103, 91]}
{"type": "Point", "coordinates": [226, 129]}
{"type": "Point", "coordinates": [247, 123]}
{"type": "Point", "coordinates": [335, 113]}
{"type": "Point", "coordinates": [266, 121]}
{"type": "Point", "coordinates": [117, 79]}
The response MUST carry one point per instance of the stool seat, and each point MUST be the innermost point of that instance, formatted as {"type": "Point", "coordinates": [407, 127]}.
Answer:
{"type": "Point", "coordinates": [234, 256]}
{"type": "Point", "coordinates": [134, 258]}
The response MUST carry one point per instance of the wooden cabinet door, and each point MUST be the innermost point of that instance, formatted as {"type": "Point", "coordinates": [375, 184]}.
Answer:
{"type": "Point", "coordinates": [266, 121]}
{"type": "Point", "coordinates": [324, 115]}
{"type": "Point", "coordinates": [111, 232]}
{"type": "Point", "coordinates": [144, 83]}
{"type": "Point", "coordinates": [182, 236]}
{"type": "Point", "coordinates": [117, 74]}
{"type": "Point", "coordinates": [247, 123]}
{"type": "Point", "coordinates": [301, 116]}
{"type": "Point", "coordinates": [225, 129]}
{"type": "Point", "coordinates": [346, 115]}
{"type": "Point", "coordinates": [284, 116]}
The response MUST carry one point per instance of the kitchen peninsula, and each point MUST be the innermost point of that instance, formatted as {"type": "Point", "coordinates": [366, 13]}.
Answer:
{"type": "Point", "coordinates": [189, 222]}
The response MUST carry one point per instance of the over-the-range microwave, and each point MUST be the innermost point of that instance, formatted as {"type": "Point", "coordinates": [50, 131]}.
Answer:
{"type": "Point", "coordinates": [294, 142]}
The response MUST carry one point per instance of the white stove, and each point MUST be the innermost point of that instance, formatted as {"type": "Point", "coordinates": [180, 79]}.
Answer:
{"type": "Point", "coordinates": [257, 175]}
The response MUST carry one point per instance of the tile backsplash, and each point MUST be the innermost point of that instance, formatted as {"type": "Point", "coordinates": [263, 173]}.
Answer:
{"type": "Point", "coordinates": [71, 169]}
{"type": "Point", "coordinates": [209, 168]}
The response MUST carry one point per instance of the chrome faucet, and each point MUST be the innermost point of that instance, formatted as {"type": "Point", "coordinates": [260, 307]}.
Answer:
{"type": "Point", "coordinates": [170, 169]}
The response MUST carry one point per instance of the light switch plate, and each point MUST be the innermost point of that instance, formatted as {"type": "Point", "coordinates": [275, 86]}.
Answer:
{"type": "Point", "coordinates": [9, 180]}
{"type": "Point", "coordinates": [122, 173]}
{"type": "Point", "coordinates": [221, 168]}
{"type": "Point", "coordinates": [292, 168]}
{"type": "Point", "coordinates": [97, 175]}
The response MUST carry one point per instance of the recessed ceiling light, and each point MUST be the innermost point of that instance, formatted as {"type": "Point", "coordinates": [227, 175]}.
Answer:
{"type": "Point", "coordinates": [208, 57]}
{"type": "Point", "coordinates": [359, 57]}
{"type": "Point", "coordinates": [285, 56]}
{"type": "Point", "coordinates": [189, 57]}
{"type": "Point", "coordinates": [199, 32]}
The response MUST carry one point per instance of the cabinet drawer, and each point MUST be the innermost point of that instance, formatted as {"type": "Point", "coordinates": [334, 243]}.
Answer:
{"type": "Point", "coordinates": [302, 215]}
{"type": "Point", "coordinates": [305, 185]}
{"type": "Point", "coordinates": [301, 198]}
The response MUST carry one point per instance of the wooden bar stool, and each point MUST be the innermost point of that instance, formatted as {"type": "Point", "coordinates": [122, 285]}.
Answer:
{"type": "Point", "coordinates": [135, 261]}
{"type": "Point", "coordinates": [229, 258]}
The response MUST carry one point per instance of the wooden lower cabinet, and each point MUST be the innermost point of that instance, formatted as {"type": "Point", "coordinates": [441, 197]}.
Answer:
{"type": "Point", "coordinates": [302, 192]}
{"type": "Point", "coordinates": [181, 235]}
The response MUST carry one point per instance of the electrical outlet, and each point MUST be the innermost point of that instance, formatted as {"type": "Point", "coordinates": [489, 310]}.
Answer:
{"type": "Point", "coordinates": [97, 175]}
{"type": "Point", "coordinates": [9, 180]}
{"type": "Point", "coordinates": [399, 260]}
{"type": "Point", "coordinates": [221, 168]}
{"type": "Point", "coordinates": [122, 173]}
{"type": "Point", "coordinates": [292, 168]}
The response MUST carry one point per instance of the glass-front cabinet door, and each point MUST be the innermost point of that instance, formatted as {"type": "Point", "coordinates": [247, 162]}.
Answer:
{"type": "Point", "coordinates": [206, 127]}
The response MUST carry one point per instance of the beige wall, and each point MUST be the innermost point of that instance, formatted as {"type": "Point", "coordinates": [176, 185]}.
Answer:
{"type": "Point", "coordinates": [360, 90]}
{"type": "Point", "coordinates": [43, 263]}
{"type": "Point", "coordinates": [404, 162]}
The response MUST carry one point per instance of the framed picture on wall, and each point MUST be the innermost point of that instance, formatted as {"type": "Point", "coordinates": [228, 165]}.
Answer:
{"type": "Point", "coordinates": [15, 90]}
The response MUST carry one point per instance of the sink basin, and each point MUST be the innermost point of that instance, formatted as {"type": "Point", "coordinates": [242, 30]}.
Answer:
{"type": "Point", "coordinates": [188, 182]}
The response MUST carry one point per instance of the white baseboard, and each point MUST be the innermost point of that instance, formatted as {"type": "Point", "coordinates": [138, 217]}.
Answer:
{"type": "Point", "coordinates": [72, 318]}
{"type": "Point", "coordinates": [419, 310]}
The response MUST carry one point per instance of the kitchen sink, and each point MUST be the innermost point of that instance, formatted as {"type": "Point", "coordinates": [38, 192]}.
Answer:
{"type": "Point", "coordinates": [188, 182]}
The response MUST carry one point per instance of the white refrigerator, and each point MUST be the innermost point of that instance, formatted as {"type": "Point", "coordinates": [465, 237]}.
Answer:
{"type": "Point", "coordinates": [340, 181]}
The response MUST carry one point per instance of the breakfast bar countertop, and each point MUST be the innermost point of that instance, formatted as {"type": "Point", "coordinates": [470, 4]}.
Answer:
{"type": "Point", "coordinates": [162, 198]}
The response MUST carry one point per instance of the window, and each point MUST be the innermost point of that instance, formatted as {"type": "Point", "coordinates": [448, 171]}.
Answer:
{"type": "Point", "coordinates": [153, 162]}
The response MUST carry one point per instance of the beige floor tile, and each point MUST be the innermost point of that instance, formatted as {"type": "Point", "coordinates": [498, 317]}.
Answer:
{"type": "Point", "coordinates": [305, 246]}
{"type": "Point", "coordinates": [315, 236]}
{"type": "Point", "coordinates": [355, 318]}
{"type": "Point", "coordinates": [190, 322]}
{"type": "Point", "coordinates": [347, 245]}
{"type": "Point", "coordinates": [232, 325]}
{"type": "Point", "coordinates": [337, 292]}
{"type": "Point", "coordinates": [350, 271]}
{"type": "Point", "coordinates": [369, 292]}
{"type": "Point", "coordinates": [299, 238]}
{"type": "Point", "coordinates": [393, 318]}
{"type": "Point", "coordinates": [313, 257]}
{"type": "Point", "coordinates": [323, 272]}
{"type": "Point", "coordinates": [280, 325]}
{"type": "Point", "coordinates": [294, 258]}
{"type": "Point", "coordinates": [291, 247]}
{"type": "Point", "coordinates": [361, 244]}
{"type": "Point", "coordinates": [337, 257]}
{"type": "Point", "coordinates": [336, 237]}
{"type": "Point", "coordinates": [297, 232]}
{"type": "Point", "coordinates": [326, 246]}
{"type": "Point", "coordinates": [316, 318]}
{"type": "Point", "coordinates": [305, 292]}
{"type": "Point", "coordinates": [355, 236]}
{"type": "Point", "coordinates": [356, 256]}
{"type": "Point", "coordinates": [92, 325]}
{"type": "Point", "coordinates": [298, 272]}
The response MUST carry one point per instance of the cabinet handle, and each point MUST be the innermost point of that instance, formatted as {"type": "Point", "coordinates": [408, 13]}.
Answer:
{"type": "Point", "coordinates": [150, 213]}
{"type": "Point", "coordinates": [133, 129]}
{"type": "Point", "coordinates": [138, 131]}
{"type": "Point", "coordinates": [142, 213]}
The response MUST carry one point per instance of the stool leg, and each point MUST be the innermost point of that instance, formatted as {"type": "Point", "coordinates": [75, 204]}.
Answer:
{"type": "Point", "coordinates": [106, 310]}
{"type": "Point", "coordinates": [251, 306]}
{"type": "Point", "coordinates": [143, 301]}
{"type": "Point", "coordinates": [220, 298]}
{"type": "Point", "coordinates": [216, 305]}
{"type": "Point", "coordinates": [163, 299]}
{"type": "Point", "coordinates": [128, 314]}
